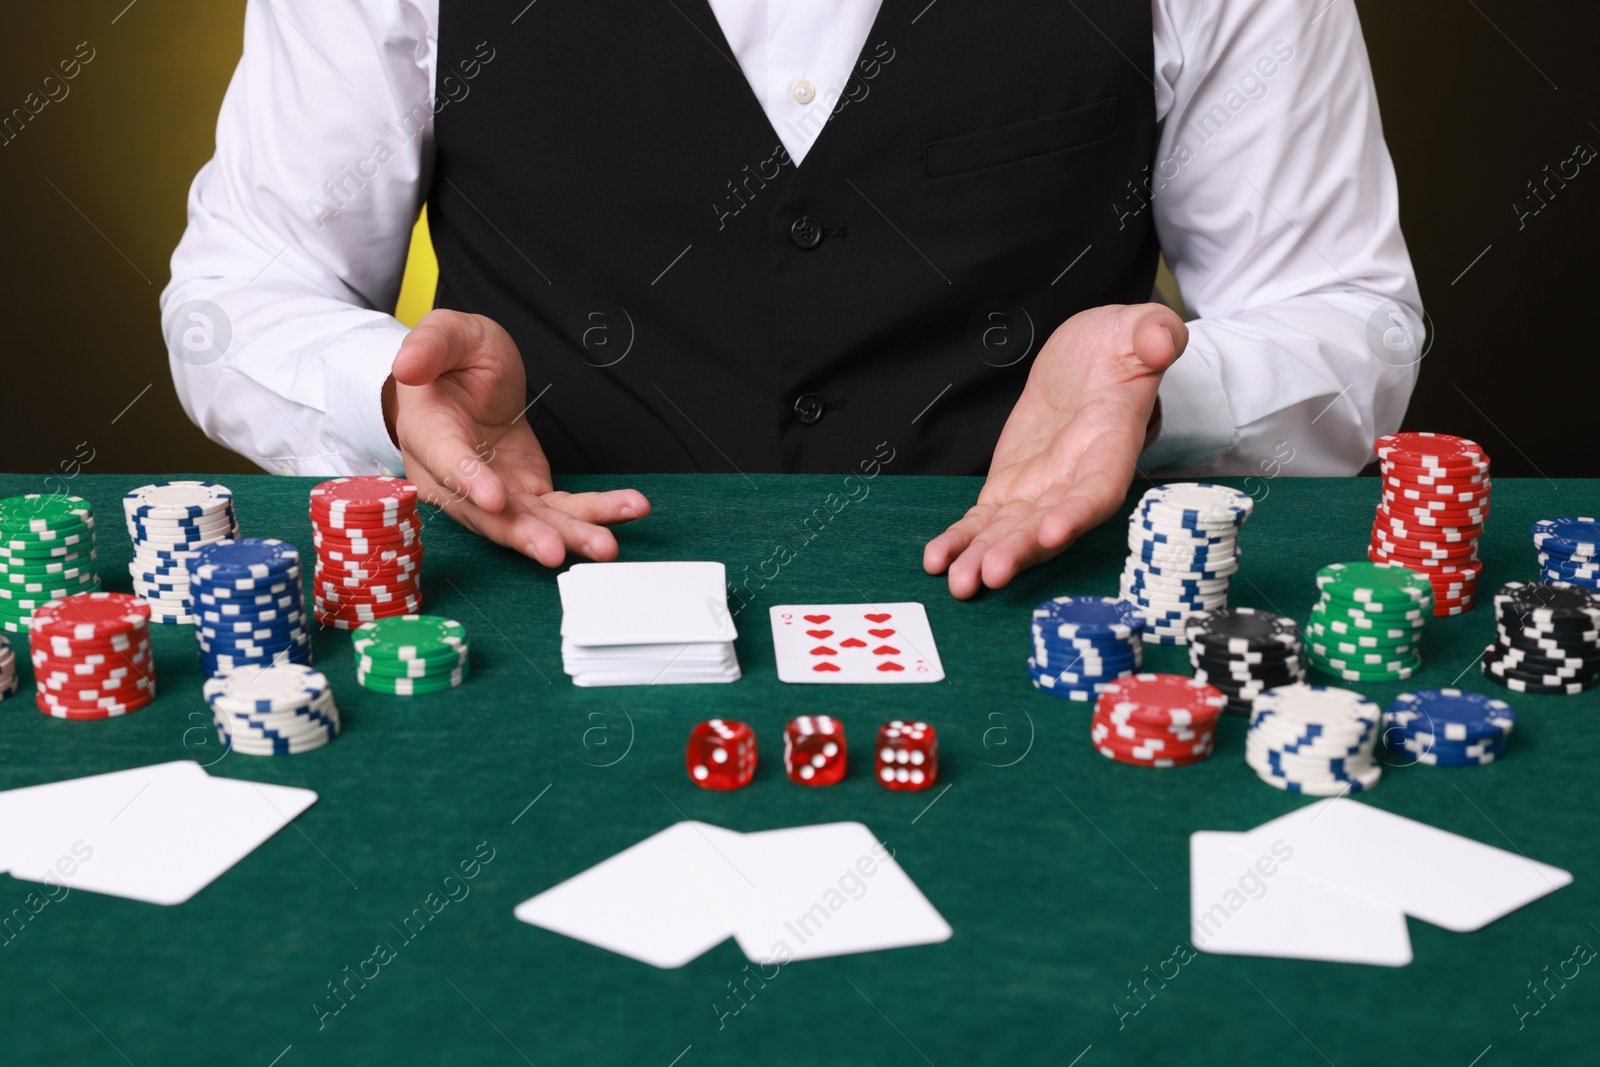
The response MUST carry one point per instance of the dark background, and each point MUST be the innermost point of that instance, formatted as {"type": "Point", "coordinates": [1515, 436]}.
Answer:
{"type": "Point", "coordinates": [1478, 97]}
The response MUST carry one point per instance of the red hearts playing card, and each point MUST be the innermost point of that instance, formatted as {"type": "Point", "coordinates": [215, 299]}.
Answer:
{"type": "Point", "coordinates": [856, 648]}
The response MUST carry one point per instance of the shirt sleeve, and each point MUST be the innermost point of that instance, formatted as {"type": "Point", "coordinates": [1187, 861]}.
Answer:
{"type": "Point", "coordinates": [277, 315]}
{"type": "Point", "coordinates": [1275, 201]}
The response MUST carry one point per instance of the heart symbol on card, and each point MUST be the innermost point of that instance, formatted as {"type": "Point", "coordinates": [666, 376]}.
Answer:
{"type": "Point", "coordinates": [826, 667]}
{"type": "Point", "coordinates": [853, 642]}
{"type": "Point", "coordinates": [817, 618]}
{"type": "Point", "coordinates": [885, 617]}
{"type": "Point", "coordinates": [819, 634]}
{"type": "Point", "coordinates": [823, 650]}
{"type": "Point", "coordinates": [886, 650]}
{"type": "Point", "coordinates": [890, 665]}
{"type": "Point", "coordinates": [881, 634]}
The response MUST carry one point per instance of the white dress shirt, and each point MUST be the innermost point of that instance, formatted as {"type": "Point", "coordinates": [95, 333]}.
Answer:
{"type": "Point", "coordinates": [1273, 196]}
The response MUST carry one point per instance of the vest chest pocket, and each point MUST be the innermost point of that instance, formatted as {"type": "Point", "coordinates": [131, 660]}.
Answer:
{"type": "Point", "coordinates": [1020, 140]}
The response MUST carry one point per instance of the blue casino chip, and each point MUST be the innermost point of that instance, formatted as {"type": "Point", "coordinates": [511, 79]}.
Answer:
{"type": "Point", "coordinates": [1073, 616]}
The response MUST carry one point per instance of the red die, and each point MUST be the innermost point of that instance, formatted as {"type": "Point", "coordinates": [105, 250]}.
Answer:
{"type": "Point", "coordinates": [813, 750]}
{"type": "Point", "coordinates": [908, 755]}
{"type": "Point", "coordinates": [722, 754]}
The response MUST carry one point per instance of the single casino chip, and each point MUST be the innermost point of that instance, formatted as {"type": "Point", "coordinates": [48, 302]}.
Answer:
{"type": "Point", "coordinates": [271, 688]}
{"type": "Point", "coordinates": [364, 496]}
{"type": "Point", "coordinates": [89, 616]}
{"type": "Point", "coordinates": [1430, 450]}
{"type": "Point", "coordinates": [1450, 715]}
{"type": "Point", "coordinates": [178, 500]}
{"type": "Point", "coordinates": [413, 686]}
{"type": "Point", "coordinates": [1073, 616]}
{"type": "Point", "coordinates": [1548, 603]}
{"type": "Point", "coordinates": [41, 513]}
{"type": "Point", "coordinates": [245, 563]}
{"type": "Point", "coordinates": [1242, 630]}
{"type": "Point", "coordinates": [1169, 698]}
{"type": "Point", "coordinates": [1382, 587]}
{"type": "Point", "coordinates": [411, 637]}
{"type": "Point", "coordinates": [1577, 538]}
{"type": "Point", "coordinates": [1199, 502]}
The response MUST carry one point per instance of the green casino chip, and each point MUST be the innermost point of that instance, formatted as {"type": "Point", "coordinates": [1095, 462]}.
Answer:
{"type": "Point", "coordinates": [407, 637]}
{"type": "Point", "coordinates": [413, 686]}
{"type": "Point", "coordinates": [38, 512]}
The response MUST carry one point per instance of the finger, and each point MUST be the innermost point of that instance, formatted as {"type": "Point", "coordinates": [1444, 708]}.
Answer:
{"type": "Point", "coordinates": [1061, 515]}
{"type": "Point", "coordinates": [1159, 336]}
{"type": "Point", "coordinates": [966, 573]}
{"type": "Point", "coordinates": [604, 509]}
{"type": "Point", "coordinates": [517, 528]}
{"type": "Point", "coordinates": [577, 536]}
{"type": "Point", "coordinates": [938, 553]}
{"type": "Point", "coordinates": [439, 343]}
{"type": "Point", "coordinates": [439, 436]}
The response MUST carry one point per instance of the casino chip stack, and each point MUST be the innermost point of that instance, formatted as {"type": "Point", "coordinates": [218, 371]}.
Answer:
{"type": "Point", "coordinates": [248, 606]}
{"type": "Point", "coordinates": [273, 711]}
{"type": "Point", "coordinates": [1244, 652]}
{"type": "Point", "coordinates": [46, 553]}
{"type": "Point", "coordinates": [368, 538]}
{"type": "Point", "coordinates": [1569, 550]}
{"type": "Point", "coordinates": [91, 656]}
{"type": "Point", "coordinates": [1367, 627]}
{"type": "Point", "coordinates": [8, 670]}
{"type": "Point", "coordinates": [1547, 638]}
{"type": "Point", "coordinates": [410, 654]}
{"type": "Point", "coordinates": [1081, 643]}
{"type": "Point", "coordinates": [1448, 727]}
{"type": "Point", "coordinates": [1435, 501]}
{"type": "Point", "coordinates": [1183, 545]}
{"type": "Point", "coordinates": [1314, 740]}
{"type": "Point", "coordinates": [1156, 720]}
{"type": "Point", "coordinates": [168, 521]}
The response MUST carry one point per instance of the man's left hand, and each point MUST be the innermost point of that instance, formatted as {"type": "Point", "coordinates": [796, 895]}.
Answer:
{"type": "Point", "coordinates": [1066, 456]}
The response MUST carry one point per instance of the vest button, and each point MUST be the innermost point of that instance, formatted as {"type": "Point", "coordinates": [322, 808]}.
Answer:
{"type": "Point", "coordinates": [808, 408]}
{"type": "Point", "coordinates": [807, 233]}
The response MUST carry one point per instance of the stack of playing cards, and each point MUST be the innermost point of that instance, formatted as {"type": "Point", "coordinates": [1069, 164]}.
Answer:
{"type": "Point", "coordinates": [801, 893]}
{"type": "Point", "coordinates": [646, 624]}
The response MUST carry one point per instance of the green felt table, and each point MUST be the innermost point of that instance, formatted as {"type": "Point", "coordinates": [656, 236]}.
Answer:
{"type": "Point", "coordinates": [1063, 874]}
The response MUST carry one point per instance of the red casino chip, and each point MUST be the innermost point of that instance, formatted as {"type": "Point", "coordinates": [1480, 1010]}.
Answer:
{"type": "Point", "coordinates": [91, 616]}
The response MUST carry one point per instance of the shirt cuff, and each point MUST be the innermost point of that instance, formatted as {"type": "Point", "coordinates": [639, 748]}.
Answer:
{"type": "Point", "coordinates": [1196, 419]}
{"type": "Point", "coordinates": [358, 363]}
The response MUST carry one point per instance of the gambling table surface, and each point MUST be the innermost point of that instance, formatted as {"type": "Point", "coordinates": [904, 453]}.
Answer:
{"type": "Point", "coordinates": [1063, 874]}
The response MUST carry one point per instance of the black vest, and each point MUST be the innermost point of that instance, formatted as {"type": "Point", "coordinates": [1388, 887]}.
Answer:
{"type": "Point", "coordinates": [608, 189]}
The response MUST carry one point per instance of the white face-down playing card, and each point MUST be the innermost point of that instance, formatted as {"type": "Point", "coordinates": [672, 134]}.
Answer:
{"type": "Point", "coordinates": [1248, 900]}
{"type": "Point", "coordinates": [854, 643]}
{"type": "Point", "coordinates": [783, 895]}
{"type": "Point", "coordinates": [159, 834]}
{"type": "Point", "coordinates": [1335, 880]}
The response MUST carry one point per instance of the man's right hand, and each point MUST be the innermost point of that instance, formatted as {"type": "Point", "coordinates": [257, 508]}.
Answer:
{"type": "Point", "coordinates": [455, 407]}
